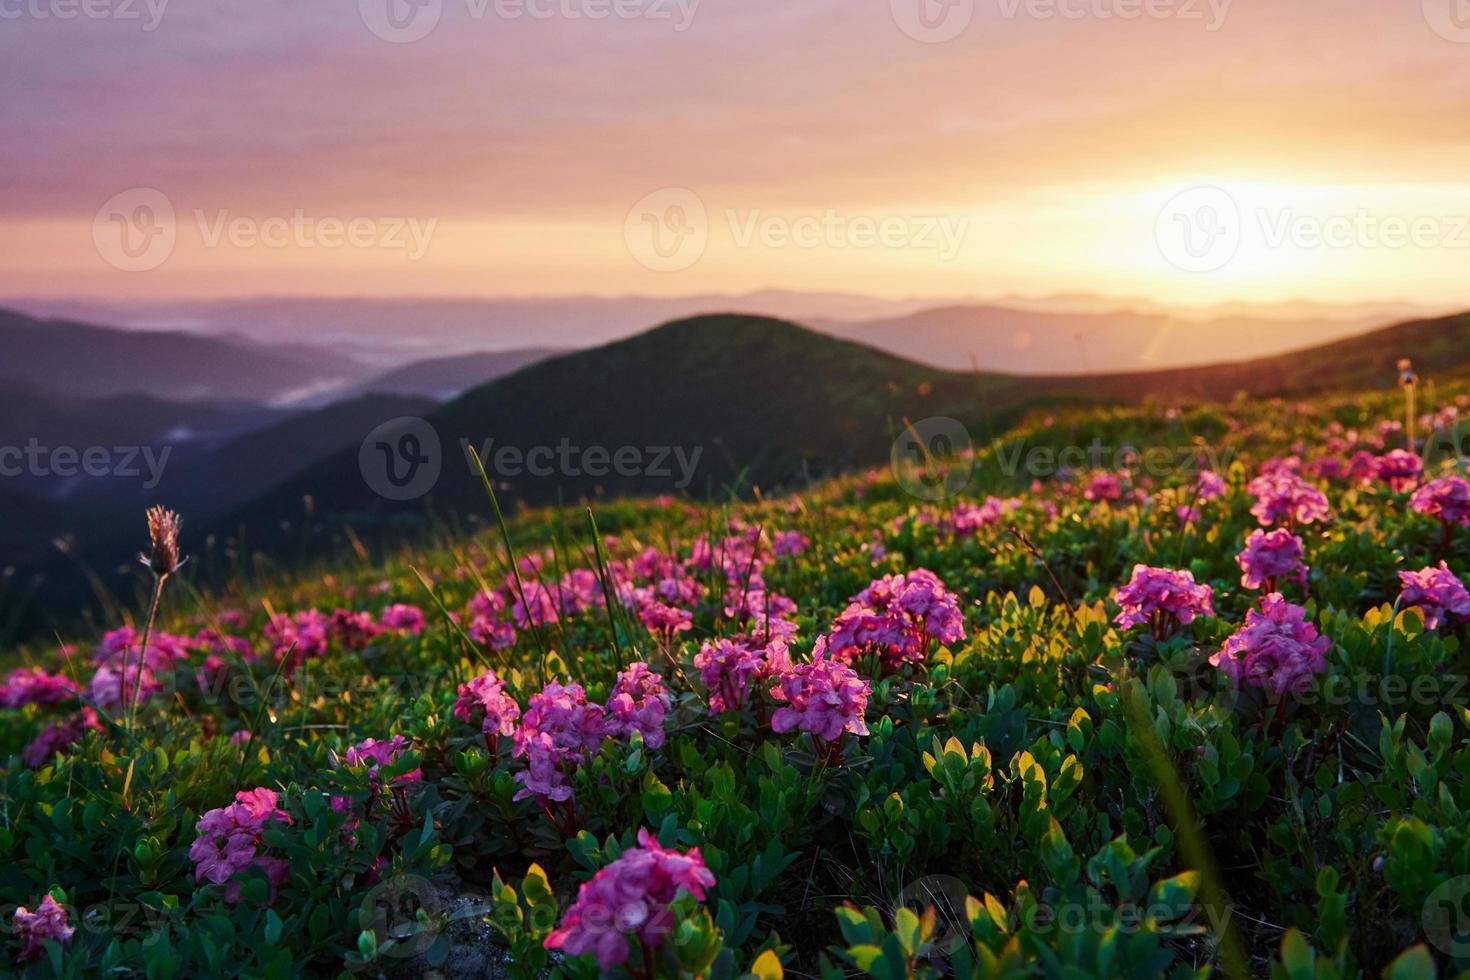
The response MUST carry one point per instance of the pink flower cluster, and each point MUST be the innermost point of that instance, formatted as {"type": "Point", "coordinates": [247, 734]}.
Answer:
{"type": "Point", "coordinates": [1163, 598]}
{"type": "Point", "coordinates": [1277, 649]}
{"type": "Point", "coordinates": [558, 732]}
{"type": "Point", "coordinates": [401, 618]}
{"type": "Point", "coordinates": [1286, 496]}
{"type": "Point", "coordinates": [630, 897]}
{"type": "Point", "coordinates": [375, 754]}
{"type": "Point", "coordinates": [125, 670]}
{"type": "Point", "coordinates": [230, 839]}
{"type": "Point", "coordinates": [732, 669]}
{"type": "Point", "coordinates": [1210, 486]}
{"type": "Point", "coordinates": [1438, 593]}
{"type": "Point", "coordinates": [483, 701]}
{"type": "Point", "coordinates": [1400, 469]}
{"type": "Point", "coordinates": [1105, 487]}
{"type": "Point", "coordinates": [1270, 557]}
{"type": "Point", "coordinates": [898, 617]}
{"type": "Point", "coordinates": [32, 685]}
{"type": "Point", "coordinates": [967, 518]}
{"type": "Point", "coordinates": [297, 639]}
{"type": "Point", "coordinates": [638, 703]}
{"type": "Point", "coordinates": [823, 698]}
{"type": "Point", "coordinates": [1447, 500]}
{"type": "Point", "coordinates": [33, 929]}
{"type": "Point", "coordinates": [58, 736]}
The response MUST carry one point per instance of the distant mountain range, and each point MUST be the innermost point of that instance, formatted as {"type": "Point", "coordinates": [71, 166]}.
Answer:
{"type": "Point", "coordinates": [1013, 334]}
{"type": "Point", "coordinates": [442, 378]}
{"type": "Point", "coordinates": [1017, 341]}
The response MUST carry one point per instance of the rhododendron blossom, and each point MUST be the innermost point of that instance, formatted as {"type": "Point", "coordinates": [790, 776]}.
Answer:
{"type": "Point", "coordinates": [1105, 487]}
{"type": "Point", "coordinates": [230, 839]}
{"type": "Point", "coordinates": [638, 703]}
{"type": "Point", "coordinates": [1277, 649]}
{"type": "Point", "coordinates": [32, 685]}
{"type": "Point", "coordinates": [1210, 486]}
{"type": "Point", "coordinates": [1162, 598]}
{"type": "Point", "coordinates": [898, 617]}
{"type": "Point", "coordinates": [401, 618]}
{"type": "Point", "coordinates": [375, 754]}
{"type": "Point", "coordinates": [1287, 497]}
{"type": "Point", "coordinates": [483, 701]}
{"type": "Point", "coordinates": [33, 929]}
{"type": "Point", "coordinates": [631, 897]}
{"type": "Point", "coordinates": [1400, 469]}
{"type": "Point", "coordinates": [296, 639]}
{"type": "Point", "coordinates": [1438, 593]}
{"type": "Point", "coordinates": [354, 630]}
{"type": "Point", "coordinates": [58, 736]}
{"type": "Point", "coordinates": [1446, 499]}
{"type": "Point", "coordinates": [824, 698]}
{"type": "Point", "coordinates": [733, 669]}
{"type": "Point", "coordinates": [559, 730]}
{"type": "Point", "coordinates": [1271, 556]}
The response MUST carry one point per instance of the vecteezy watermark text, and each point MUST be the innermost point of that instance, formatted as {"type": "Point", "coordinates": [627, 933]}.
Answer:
{"type": "Point", "coordinates": [148, 12]}
{"type": "Point", "coordinates": [402, 459]}
{"type": "Point", "coordinates": [669, 230]}
{"type": "Point", "coordinates": [570, 460]}
{"type": "Point", "coordinates": [124, 462]}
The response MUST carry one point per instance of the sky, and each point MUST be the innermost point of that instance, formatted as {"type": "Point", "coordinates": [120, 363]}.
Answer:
{"type": "Point", "coordinates": [1188, 151]}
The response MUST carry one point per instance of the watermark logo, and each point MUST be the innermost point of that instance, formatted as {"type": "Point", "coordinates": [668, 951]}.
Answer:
{"type": "Point", "coordinates": [135, 231]}
{"type": "Point", "coordinates": [1450, 19]}
{"type": "Point", "coordinates": [403, 913]}
{"type": "Point", "coordinates": [932, 21]}
{"type": "Point", "coordinates": [1447, 918]}
{"type": "Point", "coordinates": [1199, 230]}
{"type": "Point", "coordinates": [668, 230]}
{"type": "Point", "coordinates": [401, 21]}
{"type": "Point", "coordinates": [933, 458]}
{"type": "Point", "coordinates": [401, 459]}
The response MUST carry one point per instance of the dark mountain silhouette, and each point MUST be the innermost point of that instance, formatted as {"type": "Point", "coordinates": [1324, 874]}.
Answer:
{"type": "Point", "coordinates": [86, 361]}
{"type": "Point", "coordinates": [443, 378]}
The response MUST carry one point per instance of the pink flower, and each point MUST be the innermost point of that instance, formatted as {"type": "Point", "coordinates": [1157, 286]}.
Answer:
{"type": "Point", "coordinates": [732, 669]}
{"type": "Point", "coordinates": [1438, 593]}
{"type": "Point", "coordinates": [1270, 556]}
{"type": "Point", "coordinates": [34, 928]}
{"type": "Point", "coordinates": [486, 625]}
{"type": "Point", "coordinates": [1277, 649]}
{"type": "Point", "coordinates": [1400, 469]}
{"type": "Point", "coordinates": [824, 698]}
{"type": "Point", "coordinates": [484, 700]}
{"type": "Point", "coordinates": [898, 617]}
{"type": "Point", "coordinates": [968, 518]}
{"type": "Point", "coordinates": [558, 731]}
{"type": "Point", "coordinates": [59, 736]}
{"type": "Point", "coordinates": [1211, 486]}
{"type": "Point", "coordinates": [403, 619]}
{"type": "Point", "coordinates": [297, 639]}
{"type": "Point", "coordinates": [32, 685]}
{"type": "Point", "coordinates": [1162, 597]}
{"type": "Point", "coordinates": [664, 620]}
{"type": "Point", "coordinates": [1104, 487]}
{"type": "Point", "coordinates": [354, 630]}
{"type": "Point", "coordinates": [230, 838]}
{"type": "Point", "coordinates": [639, 703]}
{"type": "Point", "coordinates": [1286, 496]}
{"type": "Point", "coordinates": [1447, 500]}
{"type": "Point", "coordinates": [630, 897]}
{"type": "Point", "coordinates": [375, 754]}
{"type": "Point", "coordinates": [790, 543]}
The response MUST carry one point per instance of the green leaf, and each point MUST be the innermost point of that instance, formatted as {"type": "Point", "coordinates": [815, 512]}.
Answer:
{"type": "Point", "coordinates": [1414, 963]}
